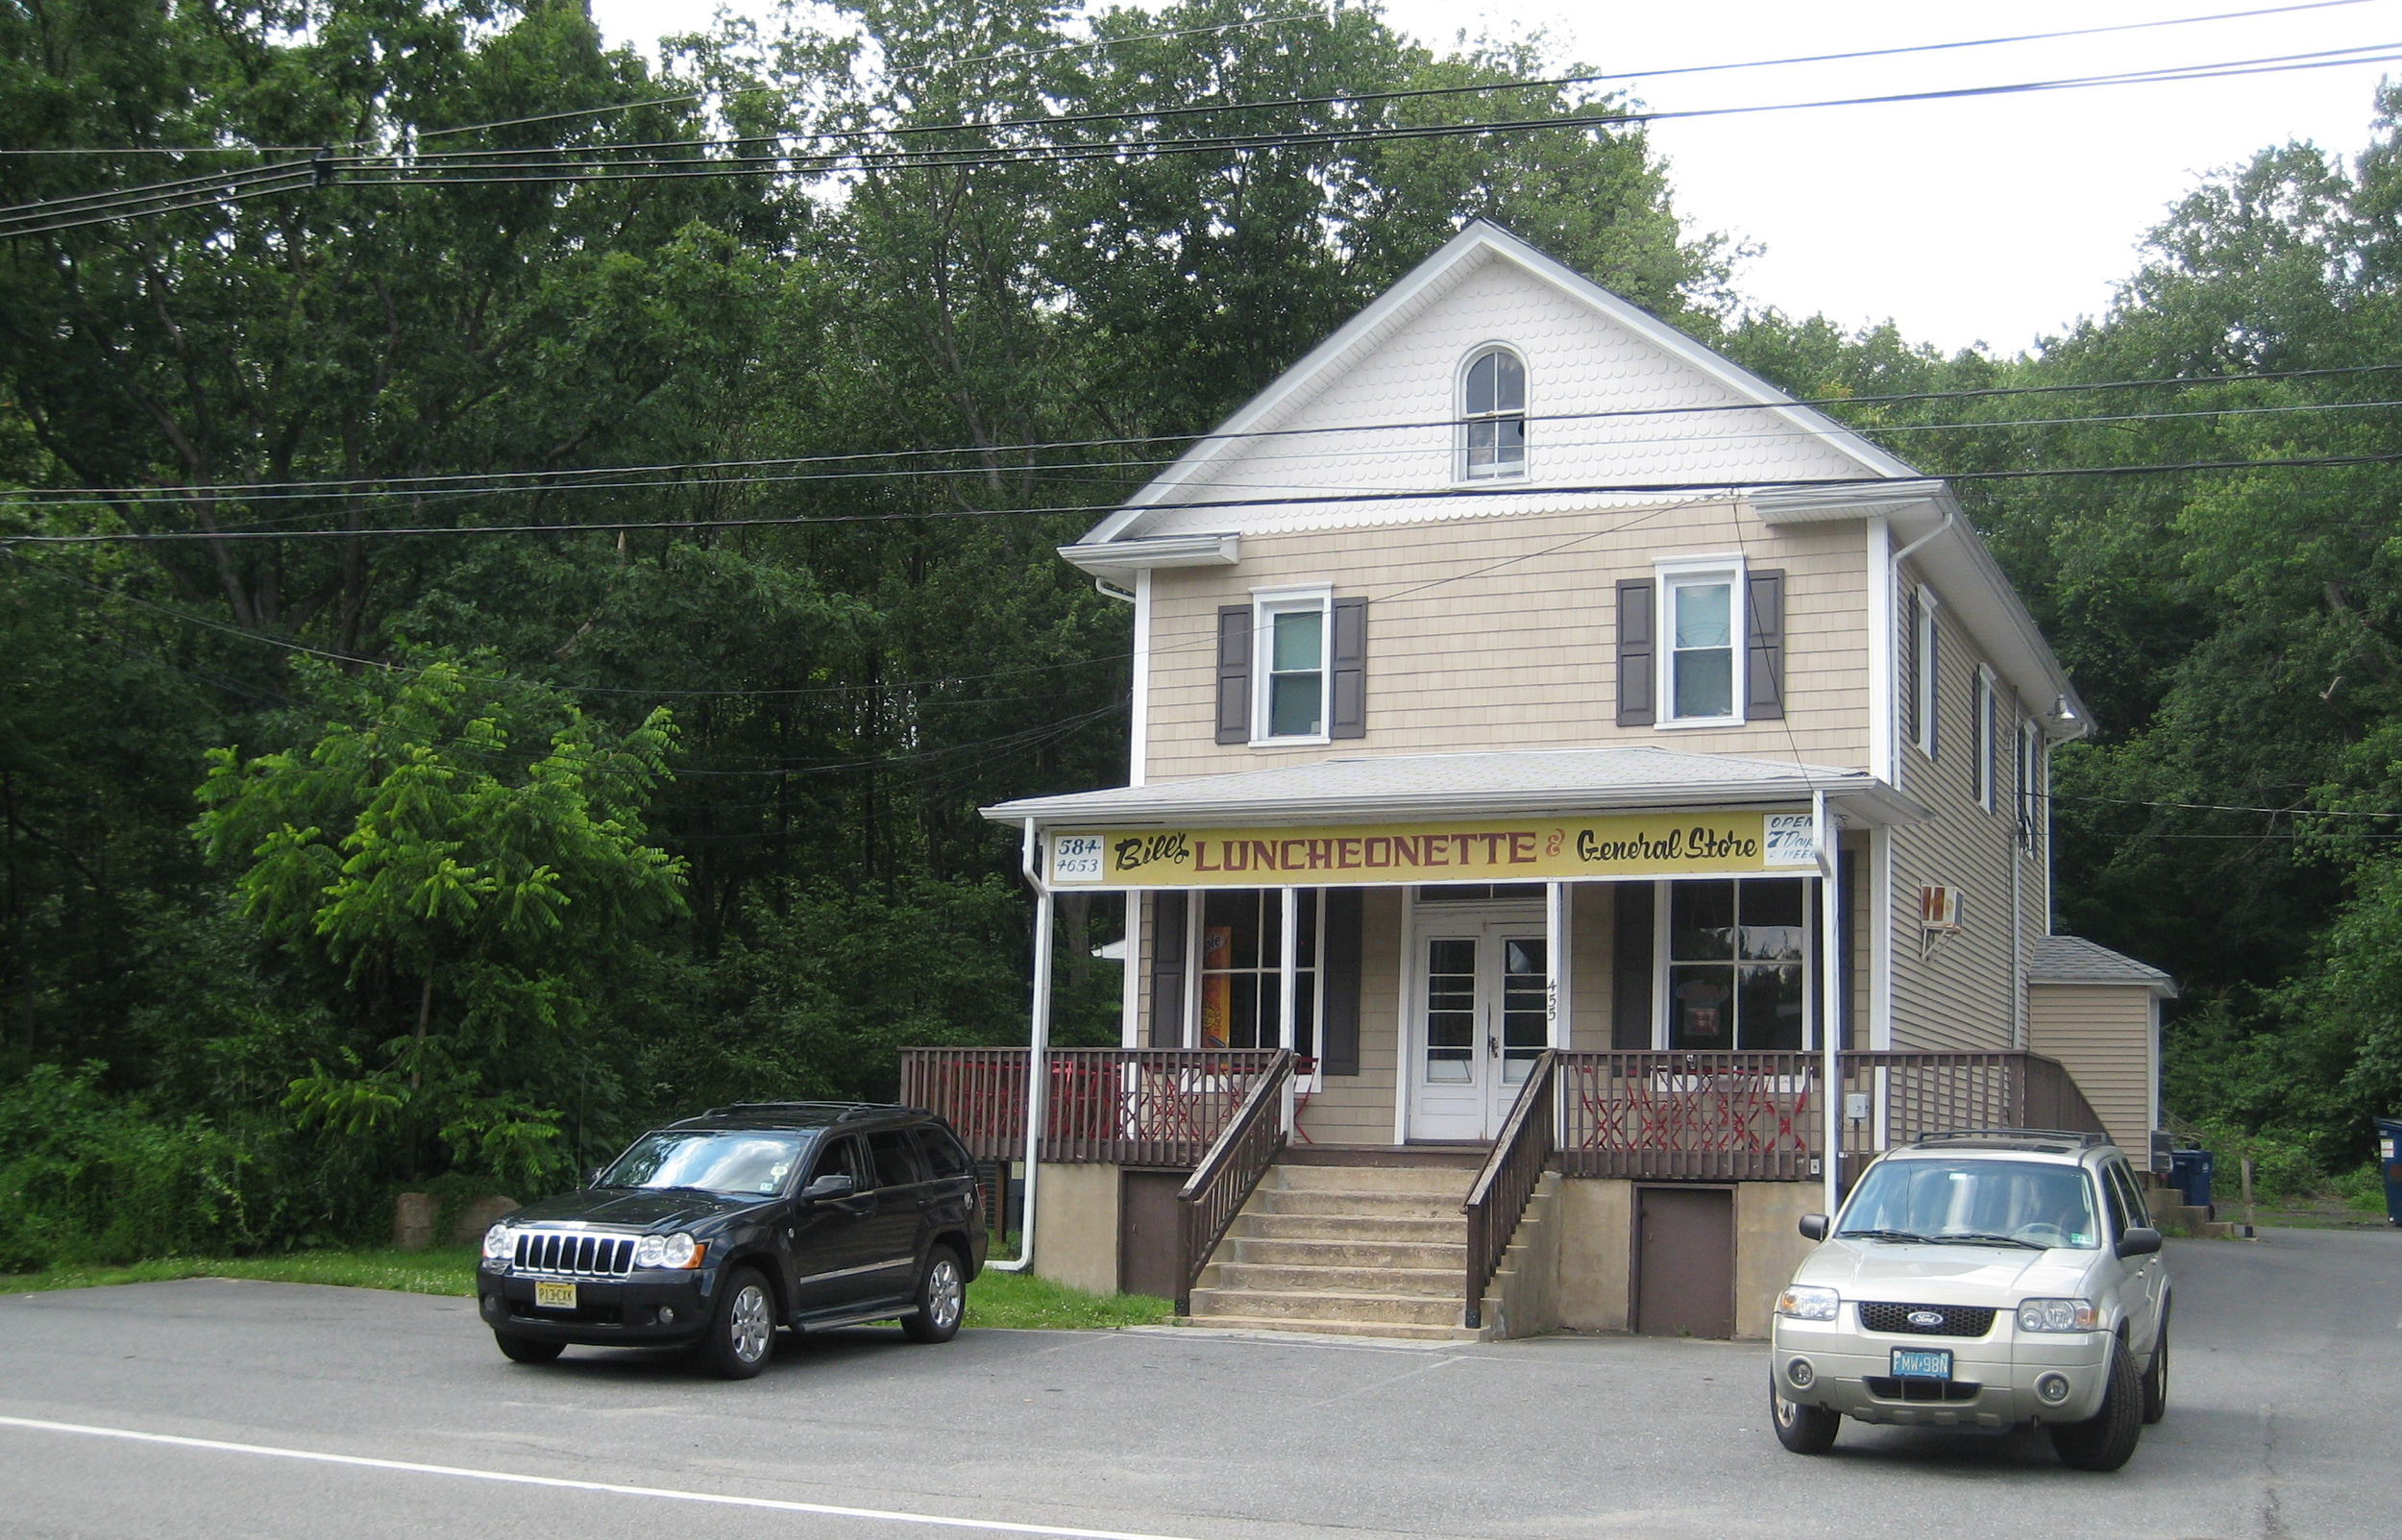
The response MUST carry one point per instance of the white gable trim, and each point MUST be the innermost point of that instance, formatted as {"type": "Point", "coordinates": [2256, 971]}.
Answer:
{"type": "Point", "coordinates": [1430, 280]}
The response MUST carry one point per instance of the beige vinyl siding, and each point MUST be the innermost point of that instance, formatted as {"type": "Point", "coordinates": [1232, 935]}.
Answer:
{"type": "Point", "coordinates": [1358, 1109]}
{"type": "Point", "coordinates": [1501, 633]}
{"type": "Point", "coordinates": [1592, 926]}
{"type": "Point", "coordinates": [1955, 991]}
{"type": "Point", "coordinates": [2103, 1035]}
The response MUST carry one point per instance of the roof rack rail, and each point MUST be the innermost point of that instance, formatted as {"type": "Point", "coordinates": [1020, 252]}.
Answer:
{"type": "Point", "coordinates": [766, 1107]}
{"type": "Point", "coordinates": [2079, 1137]}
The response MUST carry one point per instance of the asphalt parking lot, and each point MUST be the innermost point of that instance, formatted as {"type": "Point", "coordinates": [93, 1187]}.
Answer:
{"type": "Point", "coordinates": [298, 1410]}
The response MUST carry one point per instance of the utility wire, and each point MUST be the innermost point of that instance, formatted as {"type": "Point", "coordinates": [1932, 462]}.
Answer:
{"type": "Point", "coordinates": [1405, 494]}
{"type": "Point", "coordinates": [40, 218]}
{"type": "Point", "coordinates": [1554, 82]}
{"type": "Point", "coordinates": [561, 480]}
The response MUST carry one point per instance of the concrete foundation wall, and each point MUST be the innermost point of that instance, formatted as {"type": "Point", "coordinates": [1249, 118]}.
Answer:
{"type": "Point", "coordinates": [1075, 1226]}
{"type": "Point", "coordinates": [1595, 1225]}
{"type": "Point", "coordinates": [1524, 1298]}
{"type": "Point", "coordinates": [1769, 1246]}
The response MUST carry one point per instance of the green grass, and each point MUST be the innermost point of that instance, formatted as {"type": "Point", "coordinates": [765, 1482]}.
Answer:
{"type": "Point", "coordinates": [1015, 1299]}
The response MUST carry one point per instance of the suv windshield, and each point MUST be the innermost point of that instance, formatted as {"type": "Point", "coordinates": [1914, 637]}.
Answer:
{"type": "Point", "coordinates": [1997, 1203]}
{"type": "Point", "coordinates": [748, 1165]}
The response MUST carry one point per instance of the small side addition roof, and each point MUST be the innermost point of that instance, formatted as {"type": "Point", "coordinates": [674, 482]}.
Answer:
{"type": "Point", "coordinates": [2075, 960]}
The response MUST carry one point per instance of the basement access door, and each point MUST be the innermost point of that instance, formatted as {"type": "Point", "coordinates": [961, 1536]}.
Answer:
{"type": "Point", "coordinates": [1684, 1281]}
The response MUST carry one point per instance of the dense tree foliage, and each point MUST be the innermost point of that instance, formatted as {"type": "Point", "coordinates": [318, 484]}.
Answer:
{"type": "Point", "coordinates": [476, 848]}
{"type": "Point", "coordinates": [382, 909]}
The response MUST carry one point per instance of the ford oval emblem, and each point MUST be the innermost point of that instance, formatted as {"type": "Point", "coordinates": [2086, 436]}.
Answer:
{"type": "Point", "coordinates": [1926, 1317]}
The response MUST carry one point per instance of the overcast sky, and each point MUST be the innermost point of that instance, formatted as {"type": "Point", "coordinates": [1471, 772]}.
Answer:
{"type": "Point", "coordinates": [1993, 220]}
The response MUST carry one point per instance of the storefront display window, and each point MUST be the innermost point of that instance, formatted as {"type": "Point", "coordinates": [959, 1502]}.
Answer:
{"type": "Point", "coordinates": [1242, 950]}
{"type": "Point", "coordinates": [1737, 963]}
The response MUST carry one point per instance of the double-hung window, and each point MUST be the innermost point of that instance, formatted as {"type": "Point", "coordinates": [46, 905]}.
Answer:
{"type": "Point", "coordinates": [1291, 636]}
{"type": "Point", "coordinates": [1493, 414]}
{"type": "Point", "coordinates": [1702, 665]}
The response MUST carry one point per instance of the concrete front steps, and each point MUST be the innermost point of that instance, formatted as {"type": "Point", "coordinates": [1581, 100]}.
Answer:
{"type": "Point", "coordinates": [1351, 1250]}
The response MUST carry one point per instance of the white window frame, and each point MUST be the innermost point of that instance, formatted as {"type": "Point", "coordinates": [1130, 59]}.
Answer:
{"type": "Point", "coordinates": [1695, 572]}
{"type": "Point", "coordinates": [1987, 704]}
{"type": "Point", "coordinates": [1265, 605]}
{"type": "Point", "coordinates": [1461, 474]}
{"type": "Point", "coordinates": [1928, 664]}
{"type": "Point", "coordinates": [1663, 1011]}
{"type": "Point", "coordinates": [1195, 915]}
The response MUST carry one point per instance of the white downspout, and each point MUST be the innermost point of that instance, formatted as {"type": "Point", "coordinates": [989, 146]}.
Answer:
{"type": "Point", "coordinates": [1831, 998]}
{"type": "Point", "coordinates": [1138, 746]}
{"type": "Point", "coordinates": [1038, 1050]}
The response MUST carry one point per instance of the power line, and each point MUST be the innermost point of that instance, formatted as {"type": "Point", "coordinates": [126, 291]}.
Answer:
{"type": "Point", "coordinates": [435, 487]}
{"type": "Point", "coordinates": [1553, 82]}
{"type": "Point", "coordinates": [40, 218]}
{"type": "Point", "coordinates": [1405, 494]}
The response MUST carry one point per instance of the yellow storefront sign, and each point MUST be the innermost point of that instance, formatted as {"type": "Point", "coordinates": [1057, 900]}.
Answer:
{"type": "Point", "coordinates": [1544, 850]}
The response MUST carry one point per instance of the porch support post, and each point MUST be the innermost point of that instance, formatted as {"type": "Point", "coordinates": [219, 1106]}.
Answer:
{"type": "Point", "coordinates": [1829, 996]}
{"type": "Point", "coordinates": [1559, 1031]}
{"type": "Point", "coordinates": [1038, 1054]}
{"type": "Point", "coordinates": [1288, 975]}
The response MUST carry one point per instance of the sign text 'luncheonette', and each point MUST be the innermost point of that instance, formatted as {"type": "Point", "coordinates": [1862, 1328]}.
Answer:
{"type": "Point", "coordinates": [1550, 849]}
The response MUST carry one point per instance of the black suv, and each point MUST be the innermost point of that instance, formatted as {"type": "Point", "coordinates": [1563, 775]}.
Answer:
{"type": "Point", "coordinates": [710, 1233]}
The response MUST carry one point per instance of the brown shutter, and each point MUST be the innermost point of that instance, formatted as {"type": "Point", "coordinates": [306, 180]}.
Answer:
{"type": "Point", "coordinates": [1908, 681]}
{"type": "Point", "coordinates": [1168, 971]}
{"type": "Point", "coordinates": [1631, 966]}
{"type": "Point", "coordinates": [1639, 654]}
{"type": "Point", "coordinates": [1764, 647]}
{"type": "Point", "coordinates": [1350, 664]}
{"type": "Point", "coordinates": [1339, 983]}
{"type": "Point", "coordinates": [1234, 674]}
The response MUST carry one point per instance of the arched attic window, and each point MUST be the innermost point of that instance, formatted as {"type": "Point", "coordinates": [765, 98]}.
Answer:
{"type": "Point", "coordinates": [1493, 412]}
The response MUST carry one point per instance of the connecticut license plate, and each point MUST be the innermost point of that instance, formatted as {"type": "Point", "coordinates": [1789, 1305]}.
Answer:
{"type": "Point", "coordinates": [1922, 1363]}
{"type": "Point", "coordinates": [562, 1296]}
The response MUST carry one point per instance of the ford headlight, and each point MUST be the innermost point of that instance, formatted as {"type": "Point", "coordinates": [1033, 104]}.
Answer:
{"type": "Point", "coordinates": [500, 1244]}
{"type": "Point", "coordinates": [678, 1250]}
{"type": "Point", "coordinates": [1805, 1301]}
{"type": "Point", "coordinates": [2056, 1316]}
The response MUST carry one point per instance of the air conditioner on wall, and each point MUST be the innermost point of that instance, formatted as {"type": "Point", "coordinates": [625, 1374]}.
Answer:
{"type": "Point", "coordinates": [1939, 909]}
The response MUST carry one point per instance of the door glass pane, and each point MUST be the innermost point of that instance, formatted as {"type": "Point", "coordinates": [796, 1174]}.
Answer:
{"type": "Point", "coordinates": [1450, 1010]}
{"type": "Point", "coordinates": [1772, 920]}
{"type": "Point", "coordinates": [1770, 1008]}
{"type": "Point", "coordinates": [1700, 1006]}
{"type": "Point", "coordinates": [1524, 1028]}
{"type": "Point", "coordinates": [1701, 921]}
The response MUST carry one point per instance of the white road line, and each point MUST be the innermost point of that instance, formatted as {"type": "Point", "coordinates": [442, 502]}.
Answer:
{"type": "Point", "coordinates": [614, 1489]}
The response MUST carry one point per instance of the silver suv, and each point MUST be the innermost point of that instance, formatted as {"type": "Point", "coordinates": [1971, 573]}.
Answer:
{"type": "Point", "coordinates": [1980, 1278]}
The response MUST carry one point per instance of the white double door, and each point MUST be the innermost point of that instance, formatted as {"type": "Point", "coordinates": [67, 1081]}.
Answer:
{"type": "Point", "coordinates": [1479, 1017]}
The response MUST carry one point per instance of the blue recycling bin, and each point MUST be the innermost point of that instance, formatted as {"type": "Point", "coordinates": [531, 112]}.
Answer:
{"type": "Point", "coordinates": [2389, 1162]}
{"type": "Point", "coordinates": [2189, 1172]}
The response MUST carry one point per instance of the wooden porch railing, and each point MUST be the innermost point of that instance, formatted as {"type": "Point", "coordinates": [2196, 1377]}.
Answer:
{"type": "Point", "coordinates": [1760, 1118]}
{"type": "Point", "coordinates": [1231, 1167]}
{"type": "Point", "coordinates": [1161, 1107]}
{"type": "Point", "coordinates": [1497, 1198]}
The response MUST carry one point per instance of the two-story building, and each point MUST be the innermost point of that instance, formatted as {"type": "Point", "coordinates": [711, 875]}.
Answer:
{"type": "Point", "coordinates": [1574, 790]}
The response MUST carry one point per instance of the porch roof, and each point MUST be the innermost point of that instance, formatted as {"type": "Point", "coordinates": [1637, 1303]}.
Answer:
{"type": "Point", "coordinates": [2075, 960]}
{"type": "Point", "coordinates": [1470, 785]}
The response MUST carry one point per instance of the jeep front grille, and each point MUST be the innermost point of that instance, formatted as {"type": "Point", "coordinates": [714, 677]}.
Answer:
{"type": "Point", "coordinates": [1956, 1320]}
{"type": "Point", "coordinates": [574, 1253]}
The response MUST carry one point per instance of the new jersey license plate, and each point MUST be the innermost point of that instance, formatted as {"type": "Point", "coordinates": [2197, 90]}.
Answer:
{"type": "Point", "coordinates": [1922, 1363]}
{"type": "Point", "coordinates": [562, 1296]}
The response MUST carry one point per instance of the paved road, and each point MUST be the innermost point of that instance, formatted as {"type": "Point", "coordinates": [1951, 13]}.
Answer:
{"type": "Point", "coordinates": [2286, 1420]}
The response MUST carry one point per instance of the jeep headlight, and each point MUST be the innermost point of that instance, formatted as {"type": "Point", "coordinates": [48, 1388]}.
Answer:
{"type": "Point", "coordinates": [2056, 1316]}
{"type": "Point", "coordinates": [678, 1250]}
{"type": "Point", "coordinates": [500, 1245]}
{"type": "Point", "coordinates": [1806, 1302]}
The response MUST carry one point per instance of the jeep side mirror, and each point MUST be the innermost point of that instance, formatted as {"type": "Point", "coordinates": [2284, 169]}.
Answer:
{"type": "Point", "coordinates": [832, 1185]}
{"type": "Point", "coordinates": [2140, 1240]}
{"type": "Point", "coordinates": [1814, 1227]}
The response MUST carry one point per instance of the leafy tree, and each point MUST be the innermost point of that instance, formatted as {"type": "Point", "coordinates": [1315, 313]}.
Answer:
{"type": "Point", "coordinates": [466, 845]}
